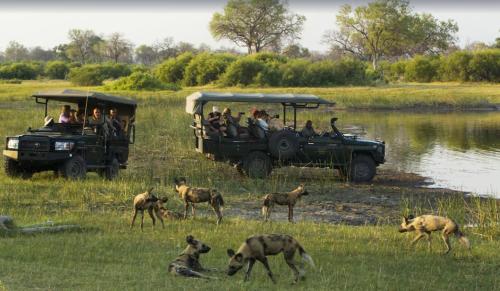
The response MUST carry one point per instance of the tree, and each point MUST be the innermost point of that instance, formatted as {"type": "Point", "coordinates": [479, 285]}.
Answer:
{"type": "Point", "coordinates": [16, 52]}
{"type": "Point", "coordinates": [145, 55]}
{"type": "Point", "coordinates": [256, 24]}
{"type": "Point", "coordinates": [296, 51]}
{"type": "Point", "coordinates": [39, 54]}
{"type": "Point", "coordinates": [387, 28]}
{"type": "Point", "coordinates": [165, 49]}
{"type": "Point", "coordinates": [116, 47]}
{"type": "Point", "coordinates": [497, 43]}
{"type": "Point", "coordinates": [83, 45]}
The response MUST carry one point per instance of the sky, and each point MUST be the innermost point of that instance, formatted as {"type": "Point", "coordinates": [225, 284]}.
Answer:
{"type": "Point", "coordinates": [46, 23]}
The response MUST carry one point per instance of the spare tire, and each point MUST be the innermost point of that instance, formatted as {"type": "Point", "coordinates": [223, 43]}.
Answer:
{"type": "Point", "coordinates": [283, 145]}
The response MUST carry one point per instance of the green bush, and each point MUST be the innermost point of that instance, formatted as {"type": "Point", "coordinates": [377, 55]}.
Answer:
{"type": "Point", "coordinates": [56, 70]}
{"type": "Point", "coordinates": [115, 71]}
{"type": "Point", "coordinates": [421, 69]}
{"type": "Point", "coordinates": [270, 75]}
{"type": "Point", "coordinates": [21, 71]}
{"type": "Point", "coordinates": [485, 66]}
{"type": "Point", "coordinates": [455, 67]}
{"type": "Point", "coordinates": [244, 72]}
{"type": "Point", "coordinates": [295, 73]}
{"type": "Point", "coordinates": [172, 70]}
{"type": "Point", "coordinates": [206, 68]}
{"type": "Point", "coordinates": [349, 71]}
{"type": "Point", "coordinates": [88, 75]}
{"type": "Point", "coordinates": [141, 81]}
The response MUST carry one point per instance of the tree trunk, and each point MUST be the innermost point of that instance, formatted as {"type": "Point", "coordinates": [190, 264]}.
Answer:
{"type": "Point", "coordinates": [375, 62]}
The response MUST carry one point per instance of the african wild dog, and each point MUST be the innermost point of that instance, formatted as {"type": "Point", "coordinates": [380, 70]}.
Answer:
{"type": "Point", "coordinates": [289, 199]}
{"type": "Point", "coordinates": [425, 224]}
{"type": "Point", "coordinates": [147, 201]}
{"type": "Point", "coordinates": [197, 195]}
{"type": "Point", "coordinates": [188, 262]}
{"type": "Point", "coordinates": [259, 246]}
{"type": "Point", "coordinates": [164, 212]}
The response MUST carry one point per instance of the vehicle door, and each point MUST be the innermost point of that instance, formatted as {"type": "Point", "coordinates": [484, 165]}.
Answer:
{"type": "Point", "coordinates": [94, 147]}
{"type": "Point", "coordinates": [327, 149]}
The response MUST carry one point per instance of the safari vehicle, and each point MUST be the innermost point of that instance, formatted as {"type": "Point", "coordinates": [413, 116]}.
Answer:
{"type": "Point", "coordinates": [257, 153]}
{"type": "Point", "coordinates": [73, 149]}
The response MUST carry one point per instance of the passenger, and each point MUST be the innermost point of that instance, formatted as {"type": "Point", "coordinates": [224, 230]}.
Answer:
{"type": "Point", "coordinates": [65, 114]}
{"type": "Point", "coordinates": [308, 130]}
{"type": "Point", "coordinates": [72, 116]}
{"type": "Point", "coordinates": [232, 123]}
{"type": "Point", "coordinates": [262, 120]}
{"type": "Point", "coordinates": [115, 122]}
{"type": "Point", "coordinates": [80, 116]}
{"type": "Point", "coordinates": [97, 119]}
{"type": "Point", "coordinates": [214, 119]}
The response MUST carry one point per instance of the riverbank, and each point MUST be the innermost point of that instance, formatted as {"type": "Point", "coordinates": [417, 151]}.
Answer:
{"type": "Point", "coordinates": [406, 96]}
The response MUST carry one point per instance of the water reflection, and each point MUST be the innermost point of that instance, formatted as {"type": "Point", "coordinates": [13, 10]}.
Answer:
{"type": "Point", "coordinates": [457, 150]}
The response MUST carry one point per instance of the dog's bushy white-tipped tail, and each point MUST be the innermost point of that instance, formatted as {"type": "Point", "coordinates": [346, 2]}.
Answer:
{"type": "Point", "coordinates": [264, 210]}
{"type": "Point", "coordinates": [465, 241]}
{"type": "Point", "coordinates": [306, 257]}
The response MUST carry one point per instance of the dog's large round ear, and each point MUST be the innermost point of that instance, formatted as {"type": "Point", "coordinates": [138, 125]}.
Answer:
{"type": "Point", "coordinates": [189, 239]}
{"type": "Point", "coordinates": [230, 252]}
{"type": "Point", "coordinates": [238, 257]}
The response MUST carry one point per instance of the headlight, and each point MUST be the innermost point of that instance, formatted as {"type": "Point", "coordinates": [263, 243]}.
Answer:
{"type": "Point", "coordinates": [13, 144]}
{"type": "Point", "coordinates": [63, 145]}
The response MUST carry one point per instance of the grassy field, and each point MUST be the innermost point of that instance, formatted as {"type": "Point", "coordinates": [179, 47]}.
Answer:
{"type": "Point", "coordinates": [107, 255]}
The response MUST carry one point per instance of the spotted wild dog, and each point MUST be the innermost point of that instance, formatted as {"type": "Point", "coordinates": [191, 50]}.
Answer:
{"type": "Point", "coordinates": [147, 201]}
{"type": "Point", "coordinates": [198, 195]}
{"type": "Point", "coordinates": [257, 247]}
{"type": "Point", "coordinates": [188, 262]}
{"type": "Point", "coordinates": [289, 199]}
{"type": "Point", "coordinates": [424, 225]}
{"type": "Point", "coordinates": [164, 212]}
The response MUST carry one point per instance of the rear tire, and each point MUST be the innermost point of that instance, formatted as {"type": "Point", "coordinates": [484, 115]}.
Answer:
{"type": "Point", "coordinates": [283, 145]}
{"type": "Point", "coordinates": [363, 169]}
{"type": "Point", "coordinates": [113, 169]}
{"type": "Point", "coordinates": [75, 168]}
{"type": "Point", "coordinates": [257, 165]}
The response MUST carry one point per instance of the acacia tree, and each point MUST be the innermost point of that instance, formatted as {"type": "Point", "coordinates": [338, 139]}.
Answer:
{"type": "Point", "coordinates": [116, 47]}
{"type": "Point", "coordinates": [256, 24]}
{"type": "Point", "coordinates": [83, 44]}
{"type": "Point", "coordinates": [387, 28]}
{"type": "Point", "coordinates": [16, 52]}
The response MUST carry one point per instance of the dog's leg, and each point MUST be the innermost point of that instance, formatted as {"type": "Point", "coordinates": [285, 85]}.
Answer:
{"type": "Point", "coordinates": [446, 239]}
{"type": "Point", "coordinates": [193, 210]}
{"type": "Point", "coordinates": [290, 213]}
{"type": "Point", "coordinates": [186, 206]}
{"type": "Point", "coordinates": [133, 218]}
{"type": "Point", "coordinates": [429, 240]}
{"type": "Point", "coordinates": [160, 218]}
{"type": "Point", "coordinates": [218, 214]}
{"type": "Point", "coordinates": [249, 268]}
{"type": "Point", "coordinates": [150, 212]}
{"type": "Point", "coordinates": [290, 262]}
{"type": "Point", "coordinates": [142, 219]}
{"type": "Point", "coordinates": [417, 238]}
{"type": "Point", "coordinates": [263, 260]}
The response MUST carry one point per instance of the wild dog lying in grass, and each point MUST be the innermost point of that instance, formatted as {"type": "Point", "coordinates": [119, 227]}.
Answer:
{"type": "Point", "coordinates": [164, 212]}
{"type": "Point", "coordinates": [6, 223]}
{"type": "Point", "coordinates": [425, 224]}
{"type": "Point", "coordinates": [289, 199]}
{"type": "Point", "coordinates": [259, 246]}
{"type": "Point", "coordinates": [198, 195]}
{"type": "Point", "coordinates": [147, 201]}
{"type": "Point", "coordinates": [188, 263]}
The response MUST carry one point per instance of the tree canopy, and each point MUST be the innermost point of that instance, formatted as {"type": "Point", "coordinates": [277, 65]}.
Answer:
{"type": "Point", "coordinates": [388, 28]}
{"type": "Point", "coordinates": [256, 24]}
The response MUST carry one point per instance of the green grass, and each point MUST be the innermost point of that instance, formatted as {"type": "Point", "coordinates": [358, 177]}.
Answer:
{"type": "Point", "coordinates": [107, 255]}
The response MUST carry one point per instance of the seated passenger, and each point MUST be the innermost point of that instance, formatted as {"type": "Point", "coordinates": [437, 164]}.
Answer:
{"type": "Point", "coordinates": [97, 120]}
{"type": "Point", "coordinates": [231, 122]}
{"type": "Point", "coordinates": [308, 130]}
{"type": "Point", "coordinates": [65, 114]}
{"type": "Point", "coordinates": [115, 122]}
{"type": "Point", "coordinates": [262, 120]}
{"type": "Point", "coordinates": [80, 116]}
{"type": "Point", "coordinates": [72, 116]}
{"type": "Point", "coordinates": [215, 120]}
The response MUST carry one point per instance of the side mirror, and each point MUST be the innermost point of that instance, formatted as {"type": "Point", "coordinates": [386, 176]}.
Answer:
{"type": "Point", "coordinates": [131, 135]}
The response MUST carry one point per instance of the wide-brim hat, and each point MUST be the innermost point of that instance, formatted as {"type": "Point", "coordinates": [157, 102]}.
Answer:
{"type": "Point", "coordinates": [48, 120]}
{"type": "Point", "coordinates": [215, 109]}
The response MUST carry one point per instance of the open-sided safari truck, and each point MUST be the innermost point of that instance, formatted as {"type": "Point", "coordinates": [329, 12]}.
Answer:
{"type": "Point", "coordinates": [259, 151]}
{"type": "Point", "coordinates": [73, 149]}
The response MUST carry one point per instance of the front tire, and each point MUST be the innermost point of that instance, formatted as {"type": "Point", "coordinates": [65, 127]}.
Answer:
{"type": "Point", "coordinates": [13, 170]}
{"type": "Point", "coordinates": [112, 170]}
{"type": "Point", "coordinates": [363, 169]}
{"type": "Point", "coordinates": [257, 165]}
{"type": "Point", "coordinates": [75, 168]}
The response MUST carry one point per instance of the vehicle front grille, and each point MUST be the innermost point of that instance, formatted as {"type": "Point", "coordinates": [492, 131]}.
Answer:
{"type": "Point", "coordinates": [36, 145]}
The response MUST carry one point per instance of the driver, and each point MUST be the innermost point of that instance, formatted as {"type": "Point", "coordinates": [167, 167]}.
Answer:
{"type": "Point", "coordinates": [97, 119]}
{"type": "Point", "coordinates": [308, 130]}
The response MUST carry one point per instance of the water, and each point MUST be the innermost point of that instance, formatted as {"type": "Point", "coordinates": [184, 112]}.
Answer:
{"type": "Point", "coordinates": [459, 150]}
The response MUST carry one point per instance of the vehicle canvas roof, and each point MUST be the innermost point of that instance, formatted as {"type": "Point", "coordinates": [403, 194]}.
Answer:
{"type": "Point", "coordinates": [195, 101]}
{"type": "Point", "coordinates": [76, 96]}
{"type": "Point", "coordinates": [90, 99]}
